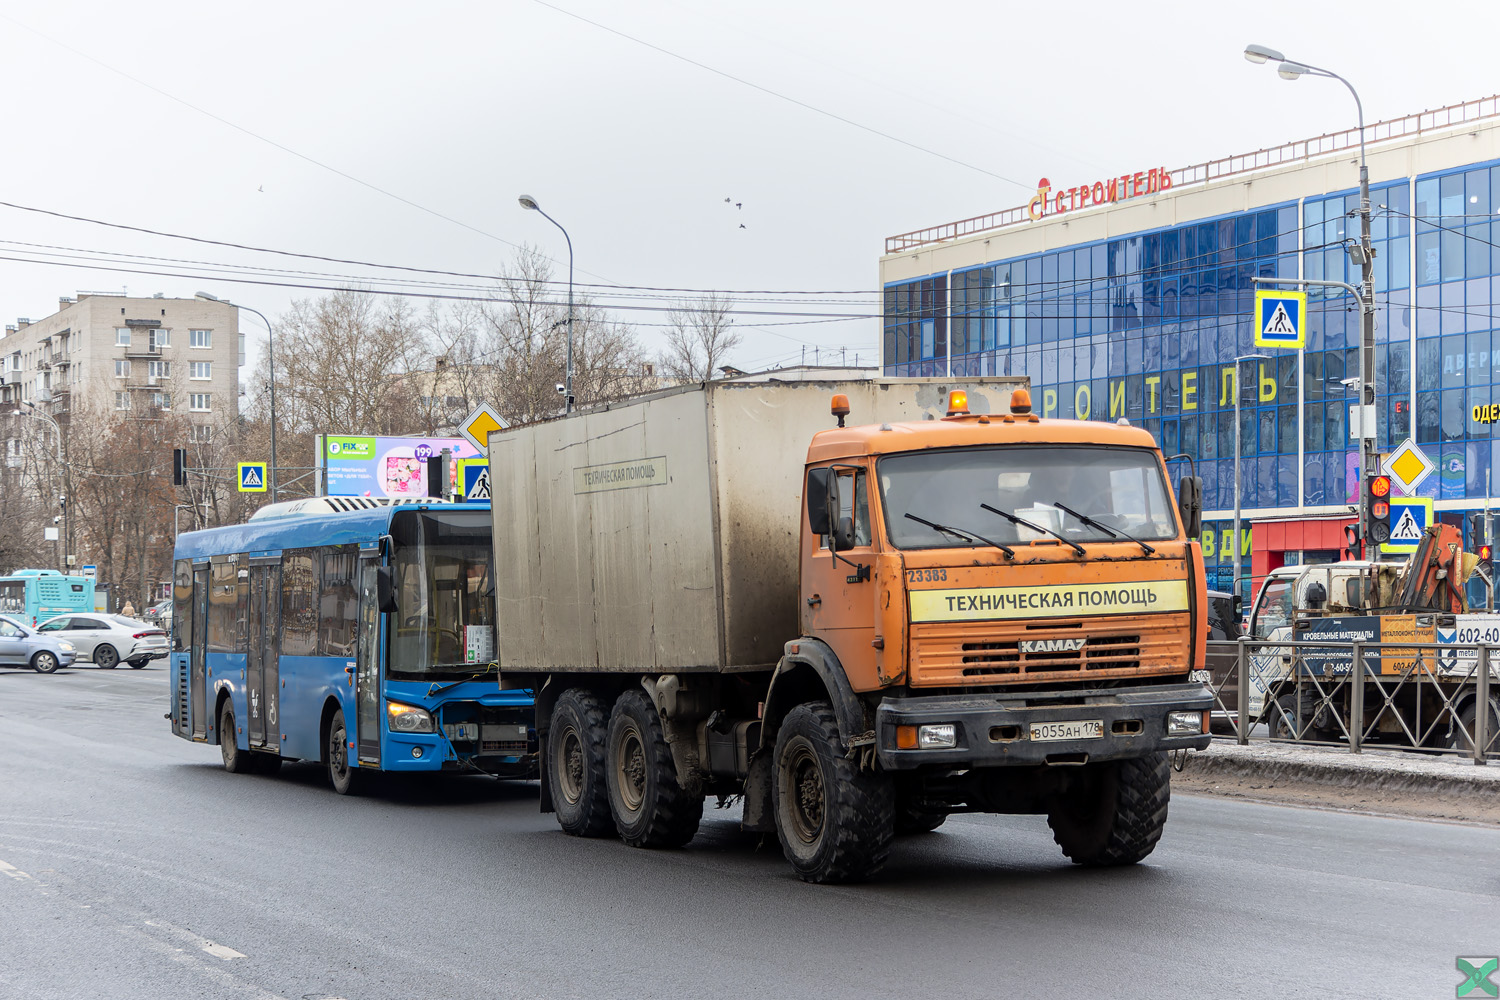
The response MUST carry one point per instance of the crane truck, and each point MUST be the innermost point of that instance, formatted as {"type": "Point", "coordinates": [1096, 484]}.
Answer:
{"type": "Point", "coordinates": [954, 606]}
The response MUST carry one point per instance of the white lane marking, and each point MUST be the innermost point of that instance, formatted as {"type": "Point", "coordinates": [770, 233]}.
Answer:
{"type": "Point", "coordinates": [203, 944]}
{"type": "Point", "coordinates": [13, 871]}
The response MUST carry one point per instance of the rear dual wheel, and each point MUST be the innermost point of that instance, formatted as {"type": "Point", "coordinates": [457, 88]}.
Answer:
{"type": "Point", "coordinates": [649, 806]}
{"type": "Point", "coordinates": [575, 764]}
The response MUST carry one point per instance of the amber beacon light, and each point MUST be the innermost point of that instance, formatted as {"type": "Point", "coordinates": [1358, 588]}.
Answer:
{"type": "Point", "coordinates": [958, 403]}
{"type": "Point", "coordinates": [839, 407]}
{"type": "Point", "coordinates": [1020, 401]}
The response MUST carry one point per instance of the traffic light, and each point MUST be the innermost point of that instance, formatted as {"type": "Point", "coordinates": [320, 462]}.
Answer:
{"type": "Point", "coordinates": [1378, 497]}
{"type": "Point", "coordinates": [1485, 555]}
{"type": "Point", "coordinates": [179, 466]}
{"type": "Point", "coordinates": [1351, 540]}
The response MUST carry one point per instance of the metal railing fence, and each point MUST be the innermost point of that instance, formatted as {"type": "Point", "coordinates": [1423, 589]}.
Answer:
{"type": "Point", "coordinates": [1405, 695]}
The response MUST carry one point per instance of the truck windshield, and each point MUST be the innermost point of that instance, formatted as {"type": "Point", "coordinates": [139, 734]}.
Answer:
{"type": "Point", "coordinates": [445, 595]}
{"type": "Point", "coordinates": [1121, 488]}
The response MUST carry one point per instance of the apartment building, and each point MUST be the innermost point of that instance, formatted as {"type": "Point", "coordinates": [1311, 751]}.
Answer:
{"type": "Point", "coordinates": [128, 357]}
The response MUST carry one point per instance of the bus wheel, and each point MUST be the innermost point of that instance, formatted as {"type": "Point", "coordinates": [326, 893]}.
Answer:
{"type": "Point", "coordinates": [346, 780]}
{"type": "Point", "coordinates": [1115, 812]}
{"type": "Point", "coordinates": [236, 761]}
{"type": "Point", "coordinates": [105, 656]}
{"type": "Point", "coordinates": [650, 807]}
{"type": "Point", "coordinates": [44, 662]}
{"type": "Point", "coordinates": [835, 820]}
{"type": "Point", "coordinates": [575, 764]}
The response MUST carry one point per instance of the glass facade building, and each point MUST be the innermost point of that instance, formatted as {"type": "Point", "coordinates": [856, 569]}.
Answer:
{"type": "Point", "coordinates": [1149, 325]}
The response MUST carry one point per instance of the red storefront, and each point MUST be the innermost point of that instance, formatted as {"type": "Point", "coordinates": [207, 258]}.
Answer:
{"type": "Point", "coordinates": [1299, 540]}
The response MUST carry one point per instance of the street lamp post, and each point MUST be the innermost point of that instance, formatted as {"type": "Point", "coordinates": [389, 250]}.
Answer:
{"type": "Point", "coordinates": [1237, 433]}
{"type": "Point", "coordinates": [1364, 256]}
{"type": "Point", "coordinates": [530, 204]}
{"type": "Point", "coordinates": [271, 363]}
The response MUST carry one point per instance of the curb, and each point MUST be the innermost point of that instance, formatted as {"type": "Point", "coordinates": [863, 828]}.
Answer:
{"type": "Point", "coordinates": [1384, 772]}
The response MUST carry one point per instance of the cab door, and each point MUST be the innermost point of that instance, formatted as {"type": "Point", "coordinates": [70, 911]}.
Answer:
{"type": "Point", "coordinates": [367, 666]}
{"type": "Point", "coordinates": [838, 599]}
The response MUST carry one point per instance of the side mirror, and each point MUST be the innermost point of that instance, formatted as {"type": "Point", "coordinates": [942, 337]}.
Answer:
{"type": "Point", "coordinates": [822, 497]}
{"type": "Point", "coordinates": [385, 589]}
{"type": "Point", "coordinates": [1190, 505]}
{"type": "Point", "coordinates": [843, 534]}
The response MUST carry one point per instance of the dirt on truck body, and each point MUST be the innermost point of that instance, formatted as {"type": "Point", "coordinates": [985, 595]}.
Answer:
{"type": "Point", "coordinates": [954, 606]}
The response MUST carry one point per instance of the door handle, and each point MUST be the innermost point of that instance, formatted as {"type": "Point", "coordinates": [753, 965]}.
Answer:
{"type": "Point", "coordinates": [349, 670]}
{"type": "Point", "coordinates": [814, 601]}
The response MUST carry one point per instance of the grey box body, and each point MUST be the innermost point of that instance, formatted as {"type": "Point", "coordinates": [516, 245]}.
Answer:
{"type": "Point", "coordinates": [661, 534]}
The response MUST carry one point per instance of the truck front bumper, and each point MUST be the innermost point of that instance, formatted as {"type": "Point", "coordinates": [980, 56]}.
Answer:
{"type": "Point", "coordinates": [994, 729]}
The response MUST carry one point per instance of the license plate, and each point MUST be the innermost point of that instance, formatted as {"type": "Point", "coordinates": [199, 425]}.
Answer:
{"type": "Point", "coordinates": [1048, 732]}
{"type": "Point", "coordinates": [1201, 677]}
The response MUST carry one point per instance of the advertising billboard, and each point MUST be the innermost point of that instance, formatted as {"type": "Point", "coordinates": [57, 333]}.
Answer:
{"type": "Point", "coordinates": [358, 466]}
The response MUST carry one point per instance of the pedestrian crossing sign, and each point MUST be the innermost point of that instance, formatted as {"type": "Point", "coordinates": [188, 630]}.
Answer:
{"type": "Point", "coordinates": [1279, 318]}
{"type": "Point", "coordinates": [1410, 517]}
{"type": "Point", "coordinates": [475, 473]}
{"type": "Point", "coordinates": [252, 477]}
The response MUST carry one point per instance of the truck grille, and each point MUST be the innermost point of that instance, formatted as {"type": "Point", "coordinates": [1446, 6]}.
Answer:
{"type": "Point", "coordinates": [958, 654]}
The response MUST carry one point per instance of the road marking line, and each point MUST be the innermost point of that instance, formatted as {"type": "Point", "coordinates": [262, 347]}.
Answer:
{"type": "Point", "coordinates": [201, 943]}
{"type": "Point", "coordinates": [13, 871]}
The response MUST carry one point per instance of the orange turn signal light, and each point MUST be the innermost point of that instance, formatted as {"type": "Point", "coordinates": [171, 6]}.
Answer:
{"type": "Point", "coordinates": [958, 404]}
{"type": "Point", "coordinates": [906, 737]}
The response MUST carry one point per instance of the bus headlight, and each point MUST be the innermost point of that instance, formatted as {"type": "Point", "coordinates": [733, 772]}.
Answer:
{"type": "Point", "coordinates": [407, 718]}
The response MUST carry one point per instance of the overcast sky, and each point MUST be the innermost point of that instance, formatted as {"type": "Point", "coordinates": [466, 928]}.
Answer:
{"type": "Point", "coordinates": [459, 107]}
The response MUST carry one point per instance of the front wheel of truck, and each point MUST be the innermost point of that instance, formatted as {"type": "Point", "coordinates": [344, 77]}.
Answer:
{"type": "Point", "coordinates": [1114, 812]}
{"type": "Point", "coordinates": [575, 764]}
{"type": "Point", "coordinates": [835, 820]}
{"type": "Point", "coordinates": [649, 806]}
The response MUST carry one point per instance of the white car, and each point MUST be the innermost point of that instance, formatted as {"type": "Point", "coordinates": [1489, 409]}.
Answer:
{"type": "Point", "coordinates": [108, 639]}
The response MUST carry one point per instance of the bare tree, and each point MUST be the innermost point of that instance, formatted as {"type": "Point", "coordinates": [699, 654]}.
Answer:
{"type": "Point", "coordinates": [700, 338]}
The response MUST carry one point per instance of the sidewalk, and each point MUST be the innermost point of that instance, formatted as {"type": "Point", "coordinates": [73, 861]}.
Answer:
{"type": "Point", "coordinates": [1380, 781]}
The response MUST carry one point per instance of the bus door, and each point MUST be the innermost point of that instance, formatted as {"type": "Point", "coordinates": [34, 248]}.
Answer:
{"type": "Point", "coordinates": [261, 647]}
{"type": "Point", "coordinates": [198, 643]}
{"type": "Point", "coordinates": [367, 664]}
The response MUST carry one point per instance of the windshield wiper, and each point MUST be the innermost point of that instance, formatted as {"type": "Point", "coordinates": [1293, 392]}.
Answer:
{"type": "Point", "coordinates": [1108, 531]}
{"type": "Point", "coordinates": [1010, 553]}
{"type": "Point", "coordinates": [1013, 519]}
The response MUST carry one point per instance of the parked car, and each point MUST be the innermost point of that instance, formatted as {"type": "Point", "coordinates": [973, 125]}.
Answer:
{"type": "Point", "coordinates": [1223, 625]}
{"type": "Point", "coordinates": [23, 646]}
{"type": "Point", "coordinates": [160, 615]}
{"type": "Point", "coordinates": [108, 639]}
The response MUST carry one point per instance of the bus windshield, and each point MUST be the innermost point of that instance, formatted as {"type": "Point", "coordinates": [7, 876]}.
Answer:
{"type": "Point", "coordinates": [443, 626]}
{"type": "Point", "coordinates": [1118, 490]}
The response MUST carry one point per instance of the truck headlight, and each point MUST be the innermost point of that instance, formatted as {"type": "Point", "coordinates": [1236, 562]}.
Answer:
{"type": "Point", "coordinates": [407, 718]}
{"type": "Point", "coordinates": [937, 736]}
{"type": "Point", "coordinates": [1184, 723]}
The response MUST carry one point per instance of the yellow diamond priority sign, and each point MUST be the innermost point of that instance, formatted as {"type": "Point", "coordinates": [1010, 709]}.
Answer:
{"type": "Point", "coordinates": [1407, 466]}
{"type": "Point", "coordinates": [477, 426]}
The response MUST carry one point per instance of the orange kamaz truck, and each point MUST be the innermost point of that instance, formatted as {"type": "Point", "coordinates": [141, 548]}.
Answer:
{"type": "Point", "coordinates": [949, 605]}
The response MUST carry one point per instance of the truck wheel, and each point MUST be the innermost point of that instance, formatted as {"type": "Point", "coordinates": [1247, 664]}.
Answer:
{"type": "Point", "coordinates": [575, 764]}
{"type": "Point", "coordinates": [1281, 717]}
{"type": "Point", "coordinates": [835, 820]}
{"type": "Point", "coordinates": [236, 761]}
{"type": "Point", "coordinates": [650, 807]}
{"type": "Point", "coordinates": [1463, 739]}
{"type": "Point", "coordinates": [910, 819]}
{"type": "Point", "coordinates": [1115, 815]}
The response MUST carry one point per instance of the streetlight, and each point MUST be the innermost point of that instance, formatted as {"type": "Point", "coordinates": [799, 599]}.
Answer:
{"type": "Point", "coordinates": [1364, 256]}
{"type": "Point", "coordinates": [1237, 394]}
{"type": "Point", "coordinates": [530, 204]}
{"type": "Point", "coordinates": [270, 362]}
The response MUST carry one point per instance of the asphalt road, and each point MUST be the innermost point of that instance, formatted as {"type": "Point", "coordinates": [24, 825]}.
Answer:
{"type": "Point", "coordinates": [131, 865]}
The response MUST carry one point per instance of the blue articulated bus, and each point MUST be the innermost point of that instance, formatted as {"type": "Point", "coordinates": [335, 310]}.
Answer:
{"type": "Point", "coordinates": [38, 594]}
{"type": "Point", "coordinates": [352, 631]}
